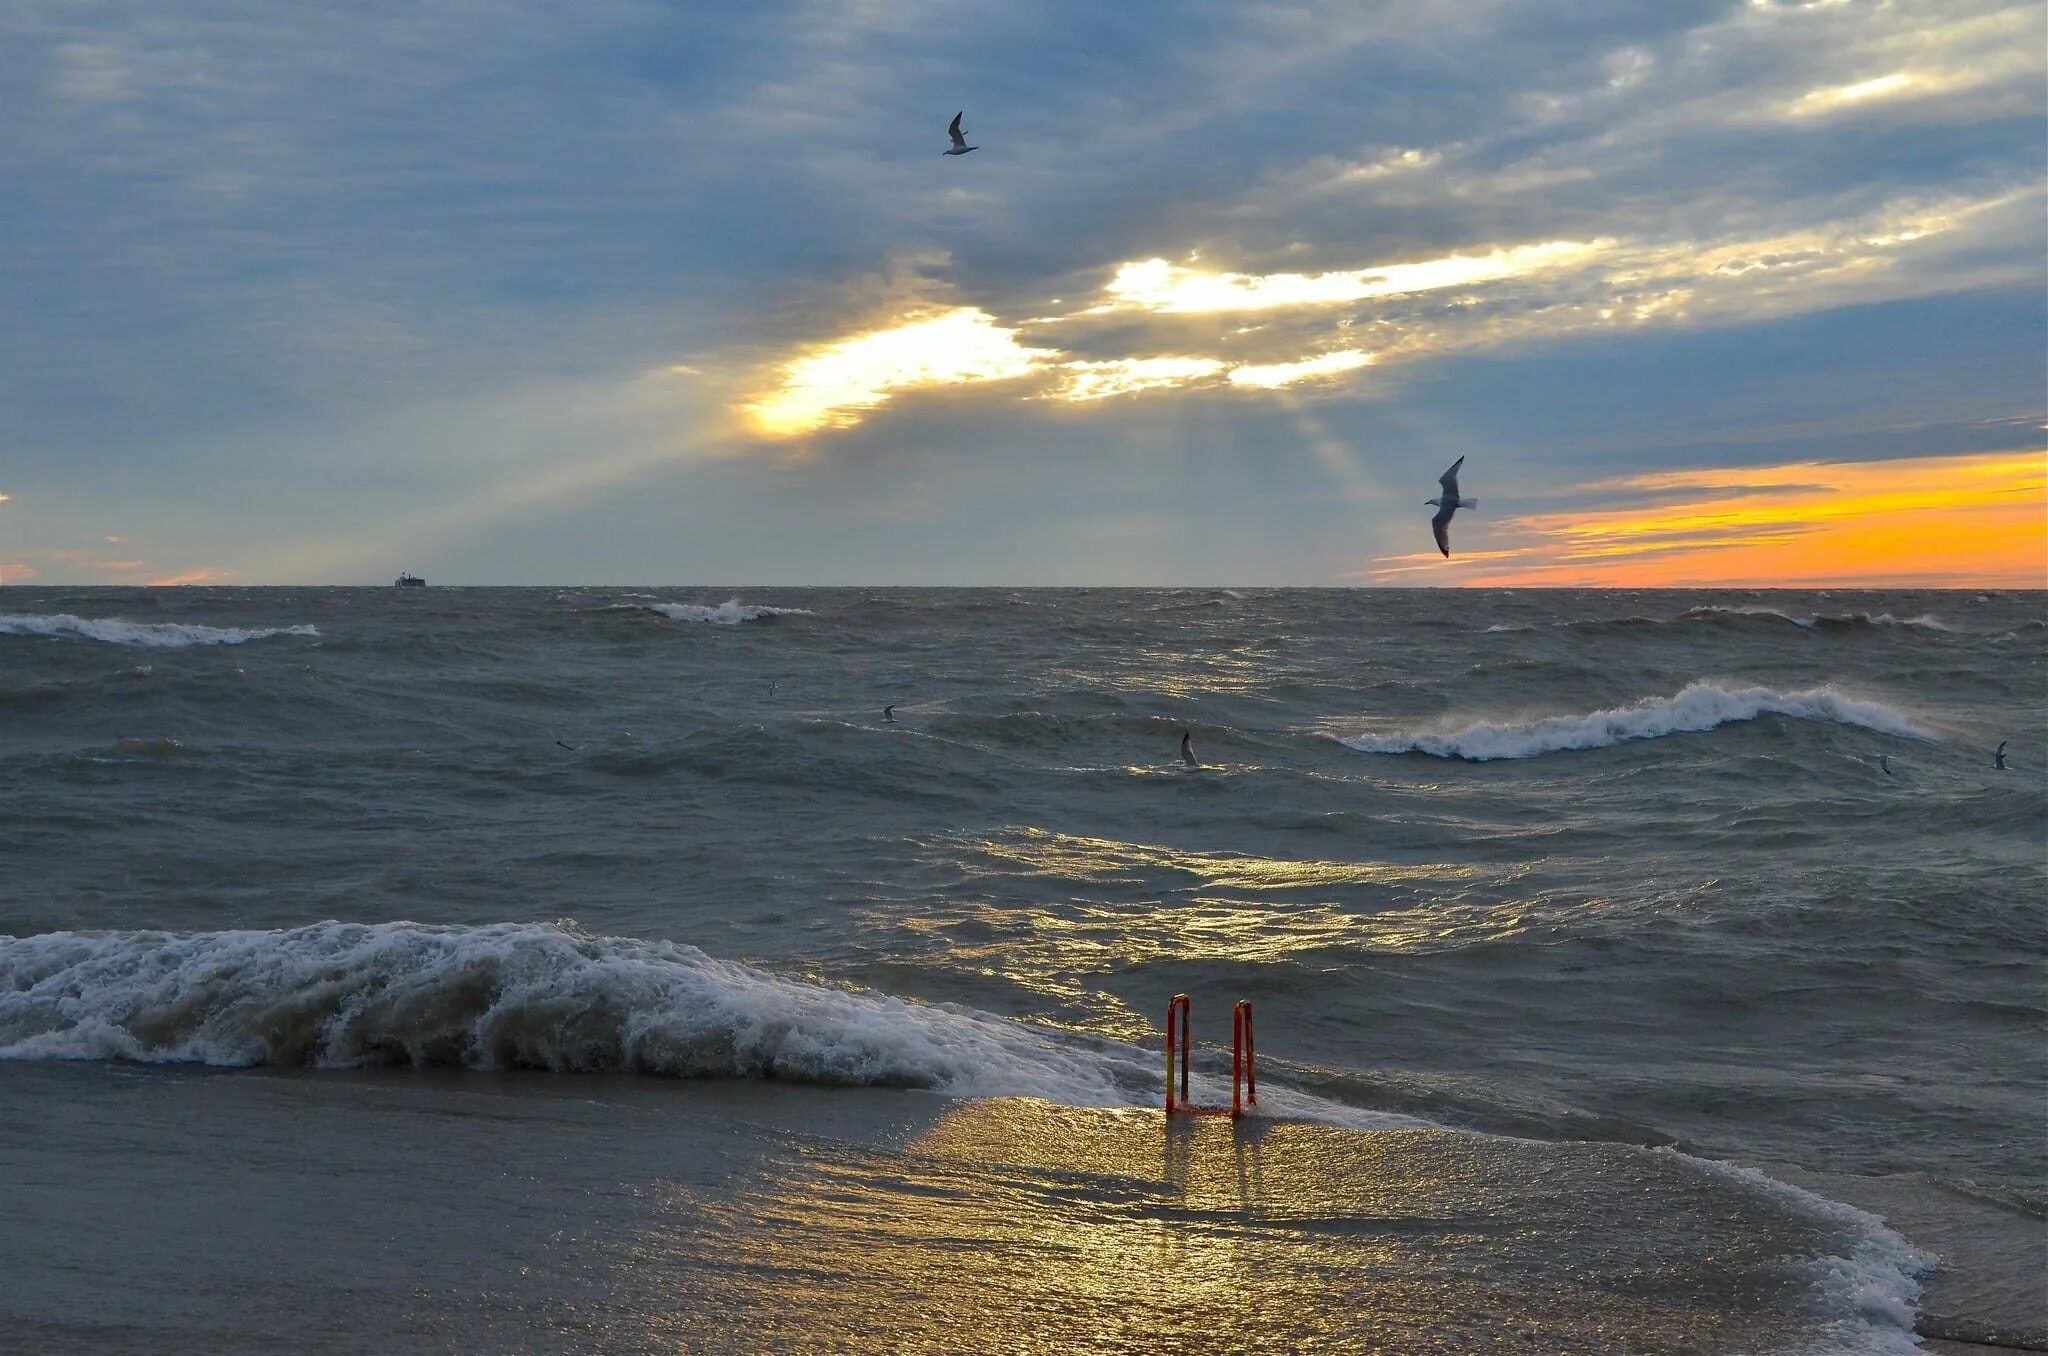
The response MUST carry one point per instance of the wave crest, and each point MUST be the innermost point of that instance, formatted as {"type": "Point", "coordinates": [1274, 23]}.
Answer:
{"type": "Point", "coordinates": [1698, 706]}
{"type": "Point", "coordinates": [515, 995]}
{"type": "Point", "coordinates": [159, 635]}
{"type": "Point", "coordinates": [731, 612]}
{"type": "Point", "coordinates": [1926, 621]}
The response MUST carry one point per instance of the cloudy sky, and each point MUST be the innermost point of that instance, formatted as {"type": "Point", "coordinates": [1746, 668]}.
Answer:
{"type": "Point", "coordinates": [516, 291]}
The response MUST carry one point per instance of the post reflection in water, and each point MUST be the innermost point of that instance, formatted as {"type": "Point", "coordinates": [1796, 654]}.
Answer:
{"type": "Point", "coordinates": [1024, 1226]}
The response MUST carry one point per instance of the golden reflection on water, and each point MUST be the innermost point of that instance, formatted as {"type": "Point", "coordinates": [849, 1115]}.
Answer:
{"type": "Point", "coordinates": [1115, 906]}
{"type": "Point", "coordinates": [1168, 672]}
{"type": "Point", "coordinates": [1075, 857]}
{"type": "Point", "coordinates": [1018, 1226]}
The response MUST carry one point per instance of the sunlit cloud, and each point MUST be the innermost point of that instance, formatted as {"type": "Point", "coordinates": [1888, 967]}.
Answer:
{"type": "Point", "coordinates": [1270, 375]}
{"type": "Point", "coordinates": [1405, 161]}
{"type": "Point", "coordinates": [1975, 73]}
{"type": "Point", "coordinates": [1930, 521]}
{"type": "Point", "coordinates": [1156, 285]}
{"type": "Point", "coordinates": [834, 384]}
{"type": "Point", "coordinates": [1388, 569]}
{"type": "Point", "coordinates": [1511, 295]}
{"type": "Point", "coordinates": [199, 576]}
{"type": "Point", "coordinates": [1903, 249]}
{"type": "Point", "coordinates": [91, 563]}
{"type": "Point", "coordinates": [1827, 100]}
{"type": "Point", "coordinates": [1855, 63]}
{"type": "Point", "coordinates": [1086, 380]}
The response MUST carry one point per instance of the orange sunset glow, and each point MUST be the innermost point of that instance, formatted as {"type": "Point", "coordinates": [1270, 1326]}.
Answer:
{"type": "Point", "coordinates": [1974, 521]}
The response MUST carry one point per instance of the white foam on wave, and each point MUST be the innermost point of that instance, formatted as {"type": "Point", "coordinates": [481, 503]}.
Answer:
{"type": "Point", "coordinates": [534, 996]}
{"type": "Point", "coordinates": [1699, 706]}
{"type": "Point", "coordinates": [521, 995]}
{"type": "Point", "coordinates": [731, 612]}
{"type": "Point", "coordinates": [161, 635]}
{"type": "Point", "coordinates": [1870, 1294]}
{"type": "Point", "coordinates": [1926, 621]}
{"type": "Point", "coordinates": [2025, 628]}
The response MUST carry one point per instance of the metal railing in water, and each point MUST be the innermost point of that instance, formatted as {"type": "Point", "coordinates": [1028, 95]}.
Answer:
{"type": "Point", "coordinates": [1244, 1077]}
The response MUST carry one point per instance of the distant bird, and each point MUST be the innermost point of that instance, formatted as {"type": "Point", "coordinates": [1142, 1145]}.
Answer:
{"type": "Point", "coordinates": [1886, 764]}
{"type": "Point", "coordinates": [889, 712]}
{"type": "Point", "coordinates": [960, 146]}
{"type": "Point", "coordinates": [1187, 748]}
{"type": "Point", "coordinates": [1449, 504]}
{"type": "Point", "coordinates": [1998, 756]}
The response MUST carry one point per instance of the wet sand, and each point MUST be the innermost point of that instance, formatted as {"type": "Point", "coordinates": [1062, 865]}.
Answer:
{"type": "Point", "coordinates": [176, 1209]}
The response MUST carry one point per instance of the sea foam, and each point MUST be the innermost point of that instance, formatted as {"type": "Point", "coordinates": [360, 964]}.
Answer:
{"type": "Point", "coordinates": [1868, 1295]}
{"type": "Point", "coordinates": [543, 996]}
{"type": "Point", "coordinates": [731, 612]}
{"type": "Point", "coordinates": [526, 995]}
{"type": "Point", "coordinates": [161, 635]}
{"type": "Point", "coordinates": [1699, 706]}
{"type": "Point", "coordinates": [1927, 621]}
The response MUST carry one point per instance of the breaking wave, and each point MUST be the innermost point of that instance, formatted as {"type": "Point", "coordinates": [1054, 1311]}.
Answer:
{"type": "Point", "coordinates": [542, 996]}
{"type": "Point", "coordinates": [1869, 1292]}
{"type": "Point", "coordinates": [161, 635]}
{"type": "Point", "coordinates": [2023, 629]}
{"type": "Point", "coordinates": [1699, 706]}
{"type": "Point", "coordinates": [731, 612]}
{"type": "Point", "coordinates": [1926, 621]}
{"type": "Point", "coordinates": [516, 995]}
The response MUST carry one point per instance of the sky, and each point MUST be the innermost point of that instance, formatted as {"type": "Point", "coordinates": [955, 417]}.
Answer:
{"type": "Point", "coordinates": [1742, 293]}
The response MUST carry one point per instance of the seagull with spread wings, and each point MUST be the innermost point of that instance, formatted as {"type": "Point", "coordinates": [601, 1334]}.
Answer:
{"type": "Point", "coordinates": [960, 146]}
{"type": "Point", "coordinates": [1448, 505]}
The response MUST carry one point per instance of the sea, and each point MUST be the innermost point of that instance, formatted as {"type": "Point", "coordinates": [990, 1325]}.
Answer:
{"type": "Point", "coordinates": [745, 969]}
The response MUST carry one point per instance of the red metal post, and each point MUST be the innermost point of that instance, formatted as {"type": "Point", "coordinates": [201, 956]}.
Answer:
{"type": "Point", "coordinates": [1178, 1039]}
{"type": "Point", "coordinates": [1237, 1060]}
{"type": "Point", "coordinates": [1187, 1047]}
{"type": "Point", "coordinates": [1244, 1051]}
{"type": "Point", "coordinates": [1180, 1043]}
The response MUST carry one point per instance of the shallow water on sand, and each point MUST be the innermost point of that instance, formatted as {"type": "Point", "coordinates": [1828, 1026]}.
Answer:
{"type": "Point", "coordinates": [1602, 872]}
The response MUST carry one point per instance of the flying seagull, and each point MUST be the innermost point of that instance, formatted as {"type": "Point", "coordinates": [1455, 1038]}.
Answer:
{"type": "Point", "coordinates": [1998, 756]}
{"type": "Point", "coordinates": [960, 146]}
{"type": "Point", "coordinates": [1187, 748]}
{"type": "Point", "coordinates": [1449, 504]}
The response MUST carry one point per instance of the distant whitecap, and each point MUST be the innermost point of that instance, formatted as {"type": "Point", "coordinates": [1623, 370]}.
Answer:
{"type": "Point", "coordinates": [1699, 706]}
{"type": "Point", "coordinates": [731, 612]}
{"type": "Point", "coordinates": [160, 635]}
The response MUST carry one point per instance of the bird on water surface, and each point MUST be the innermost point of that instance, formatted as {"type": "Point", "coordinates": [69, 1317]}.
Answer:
{"type": "Point", "coordinates": [960, 146]}
{"type": "Point", "coordinates": [1448, 505]}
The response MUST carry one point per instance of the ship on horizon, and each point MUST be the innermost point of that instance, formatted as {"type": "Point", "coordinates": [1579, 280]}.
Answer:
{"type": "Point", "coordinates": [407, 580]}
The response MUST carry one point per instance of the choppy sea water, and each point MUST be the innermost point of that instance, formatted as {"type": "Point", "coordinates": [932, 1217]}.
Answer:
{"type": "Point", "coordinates": [1611, 994]}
